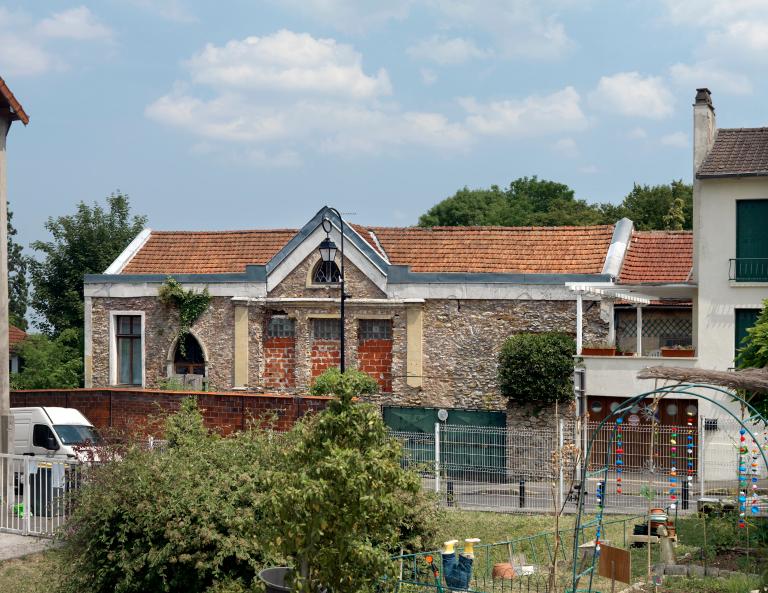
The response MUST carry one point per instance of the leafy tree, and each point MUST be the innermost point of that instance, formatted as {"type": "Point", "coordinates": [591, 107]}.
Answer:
{"type": "Point", "coordinates": [345, 502]}
{"type": "Point", "coordinates": [49, 363]}
{"type": "Point", "coordinates": [18, 293]}
{"type": "Point", "coordinates": [649, 207]}
{"type": "Point", "coordinates": [528, 201]}
{"type": "Point", "coordinates": [675, 218]}
{"type": "Point", "coordinates": [537, 368]}
{"type": "Point", "coordinates": [85, 242]}
{"type": "Point", "coordinates": [754, 354]}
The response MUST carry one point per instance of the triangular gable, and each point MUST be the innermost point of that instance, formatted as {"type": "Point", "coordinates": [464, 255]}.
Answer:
{"type": "Point", "coordinates": [356, 249]}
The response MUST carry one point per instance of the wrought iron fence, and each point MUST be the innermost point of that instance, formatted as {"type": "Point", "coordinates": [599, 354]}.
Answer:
{"type": "Point", "coordinates": [748, 269]}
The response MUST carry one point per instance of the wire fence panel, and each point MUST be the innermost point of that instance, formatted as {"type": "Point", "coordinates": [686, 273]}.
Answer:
{"type": "Point", "coordinates": [484, 468]}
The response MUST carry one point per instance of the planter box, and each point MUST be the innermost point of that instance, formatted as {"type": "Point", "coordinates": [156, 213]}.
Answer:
{"type": "Point", "coordinates": [677, 353]}
{"type": "Point", "coordinates": [598, 351]}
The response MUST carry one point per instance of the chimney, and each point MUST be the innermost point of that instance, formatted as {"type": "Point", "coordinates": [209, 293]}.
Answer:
{"type": "Point", "coordinates": [704, 127]}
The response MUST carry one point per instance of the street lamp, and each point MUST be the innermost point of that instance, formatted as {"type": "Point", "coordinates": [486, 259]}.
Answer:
{"type": "Point", "coordinates": [328, 252]}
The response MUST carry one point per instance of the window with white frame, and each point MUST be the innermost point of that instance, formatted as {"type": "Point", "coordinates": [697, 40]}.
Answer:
{"type": "Point", "coordinates": [129, 350]}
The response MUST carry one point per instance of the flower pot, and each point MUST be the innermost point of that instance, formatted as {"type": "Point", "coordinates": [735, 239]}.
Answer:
{"type": "Point", "coordinates": [598, 351]}
{"type": "Point", "coordinates": [677, 353]}
{"type": "Point", "coordinates": [275, 579]}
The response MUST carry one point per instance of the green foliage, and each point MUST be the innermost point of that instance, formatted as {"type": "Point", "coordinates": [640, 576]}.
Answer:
{"type": "Point", "coordinates": [85, 242]}
{"type": "Point", "coordinates": [49, 363]}
{"type": "Point", "coordinates": [345, 502]}
{"type": "Point", "coordinates": [754, 354]}
{"type": "Point", "coordinates": [190, 304]}
{"type": "Point", "coordinates": [537, 368]}
{"type": "Point", "coordinates": [184, 520]}
{"type": "Point", "coordinates": [529, 201]}
{"type": "Point", "coordinates": [344, 386]}
{"type": "Point", "coordinates": [18, 293]}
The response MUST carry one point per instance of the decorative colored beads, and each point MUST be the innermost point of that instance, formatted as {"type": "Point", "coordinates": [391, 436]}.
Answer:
{"type": "Point", "coordinates": [619, 453]}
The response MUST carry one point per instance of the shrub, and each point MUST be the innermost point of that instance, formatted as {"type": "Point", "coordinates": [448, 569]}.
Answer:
{"type": "Point", "coordinates": [537, 368]}
{"type": "Point", "coordinates": [345, 502]}
{"type": "Point", "coordinates": [183, 520]}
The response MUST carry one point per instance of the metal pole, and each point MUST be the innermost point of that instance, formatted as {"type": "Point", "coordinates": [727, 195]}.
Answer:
{"type": "Point", "coordinates": [343, 295]}
{"type": "Point", "coordinates": [579, 322]}
{"type": "Point", "coordinates": [700, 469]}
{"type": "Point", "coordinates": [437, 457]}
{"type": "Point", "coordinates": [639, 330]}
{"type": "Point", "coordinates": [560, 464]}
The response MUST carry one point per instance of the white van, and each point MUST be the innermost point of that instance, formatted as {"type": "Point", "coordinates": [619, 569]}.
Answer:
{"type": "Point", "coordinates": [51, 432]}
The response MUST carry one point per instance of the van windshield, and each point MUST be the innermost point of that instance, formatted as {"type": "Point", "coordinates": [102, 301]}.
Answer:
{"type": "Point", "coordinates": [77, 435]}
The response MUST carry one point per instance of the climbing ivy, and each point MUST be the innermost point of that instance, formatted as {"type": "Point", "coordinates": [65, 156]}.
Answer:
{"type": "Point", "coordinates": [190, 304]}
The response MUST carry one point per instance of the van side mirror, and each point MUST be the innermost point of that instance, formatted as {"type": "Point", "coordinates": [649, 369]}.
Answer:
{"type": "Point", "coordinates": [51, 443]}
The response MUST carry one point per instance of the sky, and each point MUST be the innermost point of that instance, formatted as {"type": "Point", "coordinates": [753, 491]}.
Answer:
{"type": "Point", "coordinates": [251, 114]}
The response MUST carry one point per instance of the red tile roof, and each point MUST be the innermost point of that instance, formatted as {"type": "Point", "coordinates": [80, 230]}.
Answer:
{"type": "Point", "coordinates": [7, 98]}
{"type": "Point", "coordinates": [658, 257]}
{"type": "Point", "coordinates": [15, 335]}
{"type": "Point", "coordinates": [534, 250]}
{"type": "Point", "coordinates": [183, 252]}
{"type": "Point", "coordinates": [737, 152]}
{"type": "Point", "coordinates": [553, 250]}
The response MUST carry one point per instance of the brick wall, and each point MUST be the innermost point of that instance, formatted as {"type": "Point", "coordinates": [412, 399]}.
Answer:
{"type": "Point", "coordinates": [137, 410]}
{"type": "Point", "coordinates": [279, 363]}
{"type": "Point", "coordinates": [325, 354]}
{"type": "Point", "coordinates": [375, 358]}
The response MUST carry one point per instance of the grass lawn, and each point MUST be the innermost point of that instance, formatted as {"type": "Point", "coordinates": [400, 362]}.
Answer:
{"type": "Point", "coordinates": [31, 574]}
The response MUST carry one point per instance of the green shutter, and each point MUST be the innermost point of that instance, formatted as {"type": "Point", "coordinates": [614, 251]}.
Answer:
{"type": "Point", "coordinates": [745, 318]}
{"type": "Point", "coordinates": [752, 240]}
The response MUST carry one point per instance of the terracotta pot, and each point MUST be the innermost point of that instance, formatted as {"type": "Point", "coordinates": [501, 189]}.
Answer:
{"type": "Point", "coordinates": [598, 351]}
{"type": "Point", "coordinates": [677, 353]}
{"type": "Point", "coordinates": [503, 570]}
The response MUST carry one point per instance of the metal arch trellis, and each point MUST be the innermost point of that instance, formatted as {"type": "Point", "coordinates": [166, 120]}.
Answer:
{"type": "Point", "coordinates": [658, 394]}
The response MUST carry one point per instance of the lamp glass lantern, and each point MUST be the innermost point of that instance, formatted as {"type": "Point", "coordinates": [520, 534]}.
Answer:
{"type": "Point", "coordinates": [327, 250]}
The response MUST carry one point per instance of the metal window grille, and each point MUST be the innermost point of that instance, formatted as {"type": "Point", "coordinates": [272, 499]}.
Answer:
{"type": "Point", "coordinates": [375, 329]}
{"type": "Point", "coordinates": [326, 272]}
{"type": "Point", "coordinates": [678, 327]}
{"type": "Point", "coordinates": [281, 327]}
{"type": "Point", "coordinates": [325, 329]}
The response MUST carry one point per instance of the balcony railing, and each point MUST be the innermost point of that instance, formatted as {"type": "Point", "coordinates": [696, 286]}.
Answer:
{"type": "Point", "coordinates": [748, 269]}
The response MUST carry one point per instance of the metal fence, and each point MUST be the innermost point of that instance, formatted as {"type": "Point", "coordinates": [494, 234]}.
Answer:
{"type": "Point", "coordinates": [35, 493]}
{"type": "Point", "coordinates": [526, 469]}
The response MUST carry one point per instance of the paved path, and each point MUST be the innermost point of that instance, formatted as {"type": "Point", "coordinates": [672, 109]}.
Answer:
{"type": "Point", "coordinates": [16, 546]}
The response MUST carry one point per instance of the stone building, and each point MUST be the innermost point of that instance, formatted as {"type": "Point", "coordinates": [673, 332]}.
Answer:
{"type": "Point", "coordinates": [426, 314]}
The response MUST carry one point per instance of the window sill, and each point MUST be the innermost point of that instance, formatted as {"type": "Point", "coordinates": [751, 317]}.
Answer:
{"type": "Point", "coordinates": [747, 283]}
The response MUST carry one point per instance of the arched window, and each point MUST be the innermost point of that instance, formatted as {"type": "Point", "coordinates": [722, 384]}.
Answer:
{"type": "Point", "coordinates": [192, 361]}
{"type": "Point", "coordinates": [326, 272]}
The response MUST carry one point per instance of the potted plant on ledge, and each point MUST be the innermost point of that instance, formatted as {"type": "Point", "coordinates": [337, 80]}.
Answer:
{"type": "Point", "coordinates": [678, 351]}
{"type": "Point", "coordinates": [598, 349]}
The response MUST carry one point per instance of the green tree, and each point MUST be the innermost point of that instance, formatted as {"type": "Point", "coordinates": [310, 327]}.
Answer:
{"type": "Point", "coordinates": [528, 201]}
{"type": "Point", "coordinates": [675, 218]}
{"type": "Point", "coordinates": [18, 291]}
{"type": "Point", "coordinates": [49, 363]}
{"type": "Point", "coordinates": [345, 500]}
{"type": "Point", "coordinates": [537, 368]}
{"type": "Point", "coordinates": [649, 207]}
{"type": "Point", "coordinates": [754, 354]}
{"type": "Point", "coordinates": [85, 242]}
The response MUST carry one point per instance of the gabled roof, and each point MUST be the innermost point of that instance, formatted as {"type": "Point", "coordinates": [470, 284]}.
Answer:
{"type": "Point", "coordinates": [7, 99]}
{"type": "Point", "coordinates": [658, 257]}
{"type": "Point", "coordinates": [737, 152]}
{"type": "Point", "coordinates": [531, 250]}
{"type": "Point", "coordinates": [16, 335]}
{"type": "Point", "coordinates": [208, 252]}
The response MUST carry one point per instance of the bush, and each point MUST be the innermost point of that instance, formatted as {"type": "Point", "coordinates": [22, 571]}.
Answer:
{"type": "Point", "coordinates": [183, 520]}
{"type": "Point", "coordinates": [537, 368]}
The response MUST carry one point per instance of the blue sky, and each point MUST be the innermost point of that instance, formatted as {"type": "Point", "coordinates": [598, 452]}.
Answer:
{"type": "Point", "coordinates": [245, 114]}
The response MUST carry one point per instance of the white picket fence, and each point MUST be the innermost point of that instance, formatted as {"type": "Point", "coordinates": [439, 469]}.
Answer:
{"type": "Point", "coordinates": [35, 493]}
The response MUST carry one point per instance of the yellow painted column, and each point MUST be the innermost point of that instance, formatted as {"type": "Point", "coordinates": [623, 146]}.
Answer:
{"type": "Point", "coordinates": [414, 319]}
{"type": "Point", "coordinates": [241, 346]}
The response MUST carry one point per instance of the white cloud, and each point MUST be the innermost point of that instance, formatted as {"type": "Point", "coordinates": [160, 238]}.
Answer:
{"type": "Point", "coordinates": [630, 94]}
{"type": "Point", "coordinates": [709, 74]}
{"type": "Point", "coordinates": [566, 147]}
{"type": "Point", "coordinates": [32, 48]}
{"type": "Point", "coordinates": [76, 23]}
{"type": "Point", "coordinates": [712, 12]}
{"type": "Point", "coordinates": [428, 76]}
{"type": "Point", "coordinates": [351, 16]}
{"type": "Point", "coordinates": [637, 134]}
{"type": "Point", "coordinates": [288, 61]}
{"type": "Point", "coordinates": [442, 50]}
{"type": "Point", "coordinates": [533, 116]}
{"type": "Point", "coordinates": [743, 38]}
{"type": "Point", "coordinates": [676, 139]}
